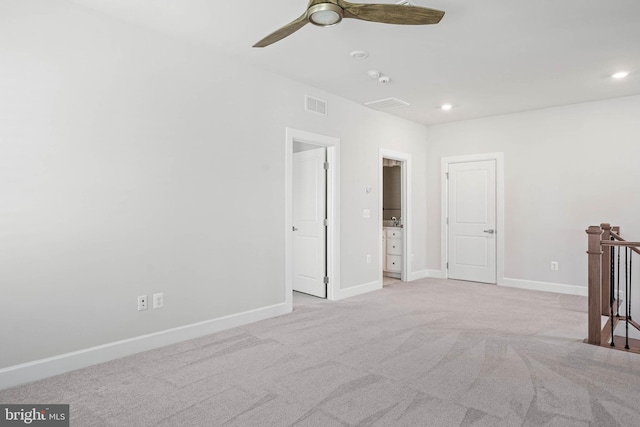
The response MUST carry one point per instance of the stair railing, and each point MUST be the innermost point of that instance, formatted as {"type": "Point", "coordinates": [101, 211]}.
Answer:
{"type": "Point", "coordinates": [605, 280]}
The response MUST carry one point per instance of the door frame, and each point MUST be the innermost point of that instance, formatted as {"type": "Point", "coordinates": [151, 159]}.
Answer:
{"type": "Point", "coordinates": [333, 208]}
{"type": "Point", "coordinates": [500, 218]}
{"type": "Point", "coordinates": [406, 193]}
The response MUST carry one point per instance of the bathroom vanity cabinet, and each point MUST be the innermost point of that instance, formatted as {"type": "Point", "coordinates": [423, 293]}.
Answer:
{"type": "Point", "coordinates": [392, 241]}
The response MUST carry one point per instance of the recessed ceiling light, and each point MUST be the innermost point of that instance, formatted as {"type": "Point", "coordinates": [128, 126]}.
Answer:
{"type": "Point", "coordinates": [446, 107]}
{"type": "Point", "coordinates": [359, 54]}
{"type": "Point", "coordinates": [620, 75]}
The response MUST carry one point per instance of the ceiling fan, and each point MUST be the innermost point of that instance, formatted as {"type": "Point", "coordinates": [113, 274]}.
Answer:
{"type": "Point", "coordinates": [325, 13]}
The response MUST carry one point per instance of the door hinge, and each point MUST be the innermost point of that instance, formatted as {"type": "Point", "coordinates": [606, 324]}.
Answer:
{"type": "Point", "coordinates": [447, 220]}
{"type": "Point", "coordinates": [447, 266]}
{"type": "Point", "coordinates": [326, 222]}
{"type": "Point", "coordinates": [326, 166]}
{"type": "Point", "coordinates": [326, 280]}
{"type": "Point", "coordinates": [447, 174]}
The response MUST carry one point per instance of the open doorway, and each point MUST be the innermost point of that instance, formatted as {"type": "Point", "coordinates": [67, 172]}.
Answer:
{"type": "Point", "coordinates": [394, 213]}
{"type": "Point", "coordinates": [311, 216]}
{"type": "Point", "coordinates": [309, 240]}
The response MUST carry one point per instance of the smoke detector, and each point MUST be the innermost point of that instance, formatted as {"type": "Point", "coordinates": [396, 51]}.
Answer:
{"type": "Point", "coordinates": [359, 54]}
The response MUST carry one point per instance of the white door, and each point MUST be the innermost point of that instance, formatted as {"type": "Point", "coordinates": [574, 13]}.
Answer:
{"type": "Point", "coordinates": [472, 221]}
{"type": "Point", "coordinates": [309, 213]}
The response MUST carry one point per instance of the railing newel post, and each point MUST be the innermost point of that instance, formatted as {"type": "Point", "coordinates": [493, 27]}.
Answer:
{"type": "Point", "coordinates": [605, 284]}
{"type": "Point", "coordinates": [595, 276]}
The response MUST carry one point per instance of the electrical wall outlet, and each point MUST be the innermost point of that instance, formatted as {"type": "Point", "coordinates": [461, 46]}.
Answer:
{"type": "Point", "coordinates": [158, 300]}
{"type": "Point", "coordinates": [555, 265]}
{"type": "Point", "coordinates": [142, 302]}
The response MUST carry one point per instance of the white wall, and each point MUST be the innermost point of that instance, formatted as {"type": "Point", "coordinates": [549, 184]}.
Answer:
{"type": "Point", "coordinates": [565, 168]}
{"type": "Point", "coordinates": [132, 163]}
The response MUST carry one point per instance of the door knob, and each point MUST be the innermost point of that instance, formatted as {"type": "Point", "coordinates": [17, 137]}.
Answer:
{"type": "Point", "coordinates": [294, 228]}
{"type": "Point", "coordinates": [490, 231]}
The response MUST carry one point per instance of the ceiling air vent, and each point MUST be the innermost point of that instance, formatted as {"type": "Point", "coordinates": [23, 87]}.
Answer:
{"type": "Point", "coordinates": [386, 104]}
{"type": "Point", "coordinates": [316, 105]}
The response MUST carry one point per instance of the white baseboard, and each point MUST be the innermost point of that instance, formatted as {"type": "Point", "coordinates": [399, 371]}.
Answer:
{"type": "Point", "coordinates": [558, 288]}
{"type": "Point", "coordinates": [417, 275]}
{"type": "Point", "coordinates": [357, 290]}
{"type": "Point", "coordinates": [40, 369]}
{"type": "Point", "coordinates": [437, 274]}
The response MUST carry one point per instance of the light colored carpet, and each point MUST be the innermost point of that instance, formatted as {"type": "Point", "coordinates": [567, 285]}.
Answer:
{"type": "Point", "coordinates": [426, 353]}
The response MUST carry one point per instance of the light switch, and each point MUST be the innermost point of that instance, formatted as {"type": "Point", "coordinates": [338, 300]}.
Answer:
{"type": "Point", "coordinates": [366, 213]}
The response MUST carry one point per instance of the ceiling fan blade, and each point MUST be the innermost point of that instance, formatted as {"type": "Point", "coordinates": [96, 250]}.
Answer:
{"type": "Point", "coordinates": [283, 32]}
{"type": "Point", "coordinates": [391, 13]}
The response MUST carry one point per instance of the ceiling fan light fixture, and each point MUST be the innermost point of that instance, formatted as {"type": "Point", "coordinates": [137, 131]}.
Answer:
{"type": "Point", "coordinates": [325, 14]}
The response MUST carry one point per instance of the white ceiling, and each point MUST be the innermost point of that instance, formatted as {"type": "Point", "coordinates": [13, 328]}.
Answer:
{"type": "Point", "coordinates": [486, 57]}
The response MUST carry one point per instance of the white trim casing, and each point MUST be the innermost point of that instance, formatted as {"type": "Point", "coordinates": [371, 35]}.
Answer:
{"type": "Point", "coordinates": [43, 368]}
{"type": "Point", "coordinates": [437, 274]}
{"type": "Point", "coordinates": [557, 288]}
{"type": "Point", "coordinates": [357, 290]}
{"type": "Point", "coordinates": [407, 192]}
{"type": "Point", "coordinates": [333, 209]}
{"type": "Point", "coordinates": [417, 275]}
{"type": "Point", "coordinates": [500, 229]}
